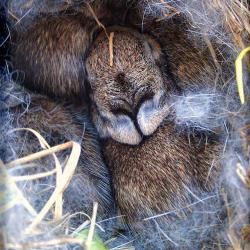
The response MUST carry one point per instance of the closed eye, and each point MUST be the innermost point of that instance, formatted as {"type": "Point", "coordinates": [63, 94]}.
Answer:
{"type": "Point", "coordinates": [121, 107]}
{"type": "Point", "coordinates": [121, 111]}
{"type": "Point", "coordinates": [146, 96]}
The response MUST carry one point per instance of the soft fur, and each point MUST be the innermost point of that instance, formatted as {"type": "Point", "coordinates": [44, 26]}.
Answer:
{"type": "Point", "coordinates": [203, 130]}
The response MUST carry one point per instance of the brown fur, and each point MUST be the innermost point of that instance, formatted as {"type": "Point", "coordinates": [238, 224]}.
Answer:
{"type": "Point", "coordinates": [51, 52]}
{"type": "Point", "coordinates": [59, 124]}
{"type": "Point", "coordinates": [150, 177]}
{"type": "Point", "coordinates": [134, 91]}
{"type": "Point", "coordinates": [190, 63]}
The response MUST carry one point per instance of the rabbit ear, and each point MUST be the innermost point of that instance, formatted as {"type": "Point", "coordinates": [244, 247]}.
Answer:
{"type": "Point", "coordinates": [151, 114]}
{"type": "Point", "coordinates": [153, 48]}
{"type": "Point", "coordinates": [123, 130]}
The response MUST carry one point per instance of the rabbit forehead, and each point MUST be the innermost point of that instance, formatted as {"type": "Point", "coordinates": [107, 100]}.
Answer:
{"type": "Point", "coordinates": [128, 51]}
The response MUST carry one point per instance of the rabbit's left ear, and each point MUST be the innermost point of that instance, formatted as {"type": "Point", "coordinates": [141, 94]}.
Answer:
{"type": "Point", "coordinates": [151, 114]}
{"type": "Point", "coordinates": [153, 48]}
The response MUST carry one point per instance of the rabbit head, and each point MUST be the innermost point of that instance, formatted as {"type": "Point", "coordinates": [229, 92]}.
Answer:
{"type": "Point", "coordinates": [129, 98]}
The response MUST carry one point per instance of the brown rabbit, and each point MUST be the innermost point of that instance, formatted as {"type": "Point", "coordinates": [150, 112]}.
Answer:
{"type": "Point", "coordinates": [131, 106]}
{"type": "Point", "coordinates": [59, 123]}
{"type": "Point", "coordinates": [130, 98]}
{"type": "Point", "coordinates": [51, 50]}
{"type": "Point", "coordinates": [51, 53]}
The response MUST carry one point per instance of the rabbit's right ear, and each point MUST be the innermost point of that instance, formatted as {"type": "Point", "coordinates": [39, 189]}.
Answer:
{"type": "Point", "coordinates": [153, 48]}
{"type": "Point", "coordinates": [151, 114]}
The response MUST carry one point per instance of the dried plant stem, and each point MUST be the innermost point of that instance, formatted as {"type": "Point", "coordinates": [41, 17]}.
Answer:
{"type": "Point", "coordinates": [97, 20]}
{"type": "Point", "coordinates": [111, 49]}
{"type": "Point", "coordinates": [19, 196]}
{"type": "Point", "coordinates": [13, 15]}
{"type": "Point", "coordinates": [62, 182]}
{"type": "Point", "coordinates": [28, 4]}
{"type": "Point", "coordinates": [171, 8]}
{"type": "Point", "coordinates": [236, 18]}
{"type": "Point", "coordinates": [110, 37]}
{"type": "Point", "coordinates": [92, 227]}
{"type": "Point", "coordinates": [33, 176]}
{"type": "Point", "coordinates": [241, 172]}
{"type": "Point", "coordinates": [45, 145]}
{"type": "Point", "coordinates": [168, 6]}
{"type": "Point", "coordinates": [213, 54]}
{"type": "Point", "coordinates": [43, 244]}
{"type": "Point", "coordinates": [66, 177]}
{"type": "Point", "coordinates": [231, 232]}
{"type": "Point", "coordinates": [40, 154]}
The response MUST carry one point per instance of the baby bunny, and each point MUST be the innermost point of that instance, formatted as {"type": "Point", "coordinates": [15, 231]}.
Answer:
{"type": "Point", "coordinates": [51, 53]}
{"type": "Point", "coordinates": [130, 99]}
{"type": "Point", "coordinates": [150, 161]}
{"type": "Point", "coordinates": [59, 123]}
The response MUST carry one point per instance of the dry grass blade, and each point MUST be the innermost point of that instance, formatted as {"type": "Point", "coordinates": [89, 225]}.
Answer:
{"type": "Point", "coordinates": [97, 20]}
{"type": "Point", "coordinates": [45, 153]}
{"type": "Point", "coordinates": [110, 37]}
{"type": "Point", "coordinates": [111, 49]}
{"type": "Point", "coordinates": [64, 182]}
{"type": "Point", "coordinates": [232, 235]}
{"type": "Point", "coordinates": [45, 145]}
{"type": "Point", "coordinates": [242, 173]}
{"type": "Point", "coordinates": [236, 16]}
{"type": "Point", "coordinates": [15, 194]}
{"type": "Point", "coordinates": [44, 244]}
{"type": "Point", "coordinates": [13, 16]}
{"type": "Point", "coordinates": [60, 186]}
{"type": "Point", "coordinates": [212, 51]}
{"type": "Point", "coordinates": [239, 73]}
{"type": "Point", "coordinates": [28, 4]}
{"type": "Point", "coordinates": [38, 155]}
{"type": "Point", "coordinates": [173, 11]}
{"type": "Point", "coordinates": [34, 176]}
{"type": "Point", "coordinates": [168, 6]}
{"type": "Point", "coordinates": [92, 227]}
